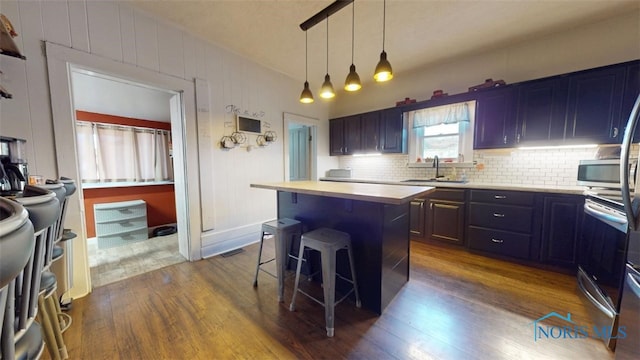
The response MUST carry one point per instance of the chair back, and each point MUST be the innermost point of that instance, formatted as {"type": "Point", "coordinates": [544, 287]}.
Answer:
{"type": "Point", "coordinates": [43, 208]}
{"type": "Point", "coordinates": [16, 240]}
{"type": "Point", "coordinates": [61, 194]}
{"type": "Point", "coordinates": [16, 249]}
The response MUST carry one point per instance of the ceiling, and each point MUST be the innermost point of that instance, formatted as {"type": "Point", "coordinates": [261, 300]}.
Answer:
{"type": "Point", "coordinates": [418, 32]}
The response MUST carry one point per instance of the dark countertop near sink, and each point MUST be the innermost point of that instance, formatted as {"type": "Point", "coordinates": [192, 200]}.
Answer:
{"type": "Point", "coordinates": [572, 190]}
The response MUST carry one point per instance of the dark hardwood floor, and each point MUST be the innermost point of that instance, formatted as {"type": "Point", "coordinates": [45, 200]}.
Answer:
{"type": "Point", "coordinates": [456, 306]}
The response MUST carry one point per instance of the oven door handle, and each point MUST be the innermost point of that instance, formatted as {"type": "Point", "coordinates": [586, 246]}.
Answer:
{"type": "Point", "coordinates": [603, 215]}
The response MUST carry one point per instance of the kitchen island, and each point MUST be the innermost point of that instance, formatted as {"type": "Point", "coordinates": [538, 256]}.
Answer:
{"type": "Point", "coordinates": [375, 215]}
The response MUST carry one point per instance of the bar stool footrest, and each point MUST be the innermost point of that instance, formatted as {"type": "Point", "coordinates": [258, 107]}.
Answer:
{"type": "Point", "coordinates": [65, 321]}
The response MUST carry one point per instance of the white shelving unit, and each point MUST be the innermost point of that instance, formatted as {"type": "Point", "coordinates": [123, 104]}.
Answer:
{"type": "Point", "coordinates": [120, 223]}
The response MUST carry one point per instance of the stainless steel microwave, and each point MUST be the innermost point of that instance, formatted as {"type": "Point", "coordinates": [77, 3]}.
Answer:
{"type": "Point", "coordinates": [604, 173]}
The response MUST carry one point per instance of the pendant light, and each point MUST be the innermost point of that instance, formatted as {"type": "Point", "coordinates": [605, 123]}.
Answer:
{"type": "Point", "coordinates": [306, 97]}
{"type": "Point", "coordinates": [326, 91]}
{"type": "Point", "coordinates": [383, 69]}
{"type": "Point", "coordinates": [352, 83]}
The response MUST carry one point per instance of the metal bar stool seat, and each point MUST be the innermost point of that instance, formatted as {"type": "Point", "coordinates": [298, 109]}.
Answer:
{"type": "Point", "coordinates": [328, 242]}
{"type": "Point", "coordinates": [283, 231]}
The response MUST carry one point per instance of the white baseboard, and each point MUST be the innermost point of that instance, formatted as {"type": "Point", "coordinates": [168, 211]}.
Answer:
{"type": "Point", "coordinates": [216, 243]}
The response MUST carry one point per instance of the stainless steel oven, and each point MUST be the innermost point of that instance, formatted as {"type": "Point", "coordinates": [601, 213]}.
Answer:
{"type": "Point", "coordinates": [601, 261]}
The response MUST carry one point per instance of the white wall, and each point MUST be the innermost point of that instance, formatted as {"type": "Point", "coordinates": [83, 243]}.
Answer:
{"type": "Point", "coordinates": [104, 95]}
{"type": "Point", "coordinates": [231, 211]}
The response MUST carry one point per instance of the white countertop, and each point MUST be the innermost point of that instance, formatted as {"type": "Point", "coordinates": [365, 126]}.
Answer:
{"type": "Point", "coordinates": [573, 190]}
{"type": "Point", "coordinates": [380, 193]}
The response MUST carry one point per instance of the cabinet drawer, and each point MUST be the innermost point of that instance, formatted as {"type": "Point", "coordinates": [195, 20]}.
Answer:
{"type": "Point", "coordinates": [110, 241]}
{"type": "Point", "coordinates": [503, 217]}
{"type": "Point", "coordinates": [499, 242]}
{"type": "Point", "coordinates": [447, 194]}
{"type": "Point", "coordinates": [119, 211]}
{"type": "Point", "coordinates": [122, 226]}
{"type": "Point", "coordinates": [503, 197]}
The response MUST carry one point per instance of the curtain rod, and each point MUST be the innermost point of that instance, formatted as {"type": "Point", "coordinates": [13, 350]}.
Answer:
{"type": "Point", "coordinates": [324, 14]}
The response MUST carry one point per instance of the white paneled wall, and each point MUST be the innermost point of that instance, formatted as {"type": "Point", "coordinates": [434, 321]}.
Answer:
{"type": "Point", "coordinates": [549, 167]}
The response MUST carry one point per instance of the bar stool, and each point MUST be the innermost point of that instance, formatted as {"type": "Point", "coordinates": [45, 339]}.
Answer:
{"type": "Point", "coordinates": [63, 269]}
{"type": "Point", "coordinates": [55, 252]}
{"type": "Point", "coordinates": [43, 208]}
{"type": "Point", "coordinates": [17, 249]}
{"type": "Point", "coordinates": [327, 242]}
{"type": "Point", "coordinates": [45, 293]}
{"type": "Point", "coordinates": [283, 231]}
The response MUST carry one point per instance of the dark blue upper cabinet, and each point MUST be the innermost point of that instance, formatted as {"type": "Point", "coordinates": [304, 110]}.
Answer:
{"type": "Point", "coordinates": [370, 131]}
{"type": "Point", "coordinates": [495, 118]}
{"type": "Point", "coordinates": [631, 91]}
{"type": "Point", "coordinates": [542, 107]}
{"type": "Point", "coordinates": [584, 107]}
{"type": "Point", "coordinates": [594, 106]}
{"type": "Point", "coordinates": [392, 139]}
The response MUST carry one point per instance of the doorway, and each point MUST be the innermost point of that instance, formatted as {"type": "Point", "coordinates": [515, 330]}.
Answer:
{"type": "Point", "coordinates": [299, 152]}
{"type": "Point", "coordinates": [60, 60]}
{"type": "Point", "coordinates": [300, 147]}
{"type": "Point", "coordinates": [135, 116]}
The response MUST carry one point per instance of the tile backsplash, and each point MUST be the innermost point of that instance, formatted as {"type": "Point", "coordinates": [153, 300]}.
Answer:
{"type": "Point", "coordinates": [551, 167]}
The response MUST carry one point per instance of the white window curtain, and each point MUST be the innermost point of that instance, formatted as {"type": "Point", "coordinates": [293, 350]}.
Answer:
{"type": "Point", "coordinates": [115, 153]}
{"type": "Point", "coordinates": [448, 114]}
{"type": "Point", "coordinates": [86, 152]}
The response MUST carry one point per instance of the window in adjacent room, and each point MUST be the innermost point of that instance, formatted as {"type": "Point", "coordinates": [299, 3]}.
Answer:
{"type": "Point", "coordinates": [117, 153]}
{"type": "Point", "coordinates": [443, 131]}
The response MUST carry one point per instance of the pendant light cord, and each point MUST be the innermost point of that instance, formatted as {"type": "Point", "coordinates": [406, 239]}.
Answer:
{"type": "Point", "coordinates": [353, 17]}
{"type": "Point", "coordinates": [384, 21]}
{"type": "Point", "coordinates": [327, 44]}
{"type": "Point", "coordinates": [306, 75]}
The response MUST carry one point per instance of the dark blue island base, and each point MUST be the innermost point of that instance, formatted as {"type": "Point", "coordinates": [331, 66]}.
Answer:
{"type": "Point", "coordinates": [379, 234]}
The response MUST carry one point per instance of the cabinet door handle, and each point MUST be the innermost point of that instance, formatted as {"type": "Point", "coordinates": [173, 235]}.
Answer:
{"type": "Point", "coordinates": [499, 197]}
{"type": "Point", "coordinates": [518, 138]}
{"type": "Point", "coordinates": [497, 241]}
{"type": "Point", "coordinates": [431, 206]}
{"type": "Point", "coordinates": [504, 139]}
{"type": "Point", "coordinates": [615, 132]}
{"type": "Point", "coordinates": [498, 215]}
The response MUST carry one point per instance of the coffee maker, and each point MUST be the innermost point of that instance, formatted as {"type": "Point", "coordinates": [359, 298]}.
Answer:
{"type": "Point", "coordinates": [13, 157]}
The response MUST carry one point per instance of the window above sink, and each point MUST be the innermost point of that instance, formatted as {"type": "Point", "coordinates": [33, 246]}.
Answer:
{"type": "Point", "coordinates": [444, 131]}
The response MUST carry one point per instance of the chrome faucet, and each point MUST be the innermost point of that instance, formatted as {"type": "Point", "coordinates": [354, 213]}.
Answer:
{"type": "Point", "coordinates": [436, 164]}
